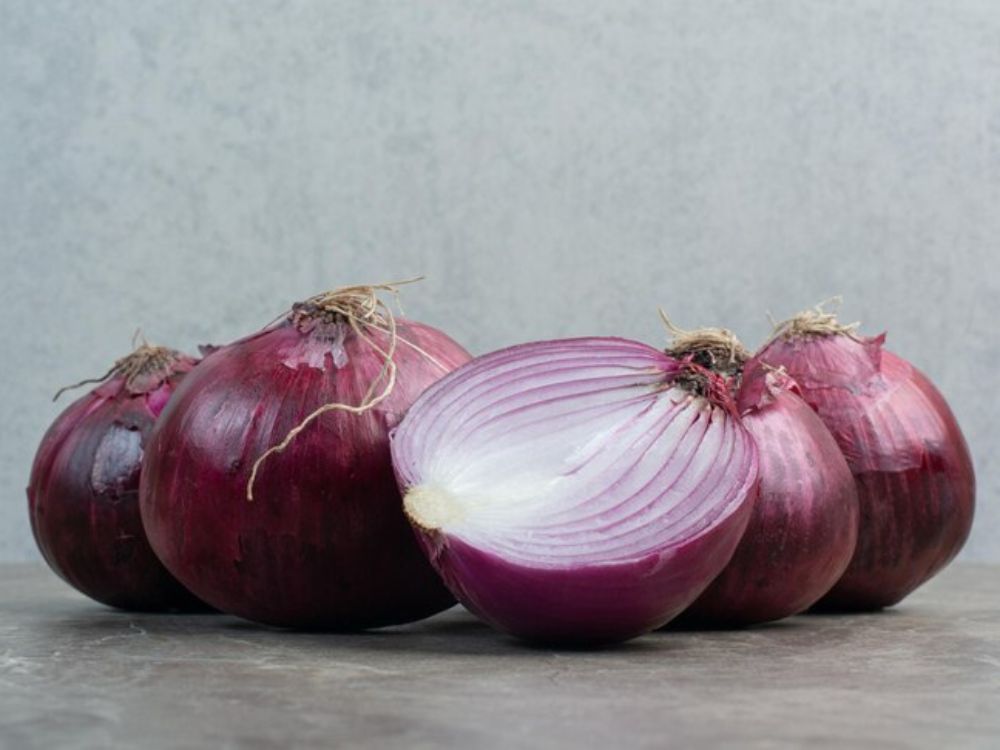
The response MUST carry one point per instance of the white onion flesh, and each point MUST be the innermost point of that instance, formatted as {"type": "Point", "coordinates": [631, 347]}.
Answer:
{"type": "Point", "coordinates": [567, 453]}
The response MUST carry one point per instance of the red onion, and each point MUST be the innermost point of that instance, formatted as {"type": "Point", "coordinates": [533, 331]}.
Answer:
{"type": "Point", "coordinates": [324, 543]}
{"type": "Point", "coordinates": [576, 491]}
{"type": "Point", "coordinates": [914, 475]}
{"type": "Point", "coordinates": [84, 487]}
{"type": "Point", "coordinates": [803, 528]}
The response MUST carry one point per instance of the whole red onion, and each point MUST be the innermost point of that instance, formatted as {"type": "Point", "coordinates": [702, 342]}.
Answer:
{"type": "Point", "coordinates": [914, 475]}
{"type": "Point", "coordinates": [323, 543]}
{"type": "Point", "coordinates": [84, 487]}
{"type": "Point", "coordinates": [803, 527]}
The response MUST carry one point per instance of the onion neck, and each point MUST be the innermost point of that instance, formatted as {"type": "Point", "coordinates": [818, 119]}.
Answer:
{"type": "Point", "coordinates": [148, 360]}
{"type": "Point", "coordinates": [142, 371]}
{"type": "Point", "coordinates": [715, 349]}
{"type": "Point", "coordinates": [359, 307]}
{"type": "Point", "coordinates": [814, 322]}
{"type": "Point", "coordinates": [712, 361]}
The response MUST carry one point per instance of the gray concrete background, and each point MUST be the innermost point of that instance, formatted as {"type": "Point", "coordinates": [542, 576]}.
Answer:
{"type": "Point", "coordinates": [554, 168]}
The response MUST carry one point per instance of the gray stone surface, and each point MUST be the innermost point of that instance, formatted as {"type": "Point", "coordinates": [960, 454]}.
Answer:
{"type": "Point", "coordinates": [555, 168]}
{"type": "Point", "coordinates": [76, 675]}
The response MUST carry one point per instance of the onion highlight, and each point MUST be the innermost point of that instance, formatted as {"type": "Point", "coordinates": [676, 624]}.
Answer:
{"type": "Point", "coordinates": [914, 475]}
{"type": "Point", "coordinates": [298, 416]}
{"type": "Point", "coordinates": [576, 491]}
{"type": "Point", "coordinates": [84, 486]}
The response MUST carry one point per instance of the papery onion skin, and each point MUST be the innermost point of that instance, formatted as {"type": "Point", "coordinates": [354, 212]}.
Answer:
{"type": "Point", "coordinates": [591, 600]}
{"type": "Point", "coordinates": [324, 544]}
{"type": "Point", "coordinates": [803, 529]}
{"type": "Point", "coordinates": [83, 495]}
{"type": "Point", "coordinates": [914, 474]}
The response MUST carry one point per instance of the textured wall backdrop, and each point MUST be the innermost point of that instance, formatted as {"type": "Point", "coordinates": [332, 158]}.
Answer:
{"type": "Point", "coordinates": [554, 168]}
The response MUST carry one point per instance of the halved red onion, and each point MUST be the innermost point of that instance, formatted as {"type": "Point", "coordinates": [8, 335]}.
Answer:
{"type": "Point", "coordinates": [914, 475]}
{"type": "Point", "coordinates": [583, 490]}
{"type": "Point", "coordinates": [83, 495]}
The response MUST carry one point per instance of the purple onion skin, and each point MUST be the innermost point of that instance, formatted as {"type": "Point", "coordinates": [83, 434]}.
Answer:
{"type": "Point", "coordinates": [914, 474]}
{"type": "Point", "coordinates": [804, 526]}
{"type": "Point", "coordinates": [661, 586]}
{"type": "Point", "coordinates": [324, 544]}
{"type": "Point", "coordinates": [84, 505]}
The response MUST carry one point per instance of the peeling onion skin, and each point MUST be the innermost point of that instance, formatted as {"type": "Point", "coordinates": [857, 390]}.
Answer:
{"type": "Point", "coordinates": [559, 594]}
{"type": "Point", "coordinates": [83, 496]}
{"type": "Point", "coordinates": [804, 526]}
{"type": "Point", "coordinates": [324, 543]}
{"type": "Point", "coordinates": [914, 474]}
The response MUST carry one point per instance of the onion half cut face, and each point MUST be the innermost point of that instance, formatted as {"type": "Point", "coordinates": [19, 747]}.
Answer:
{"type": "Point", "coordinates": [575, 490]}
